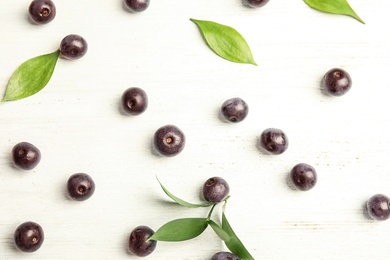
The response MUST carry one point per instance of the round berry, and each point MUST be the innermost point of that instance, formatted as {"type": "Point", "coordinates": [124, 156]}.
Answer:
{"type": "Point", "coordinates": [169, 140]}
{"type": "Point", "coordinates": [224, 256]}
{"type": "Point", "coordinates": [378, 207]}
{"type": "Point", "coordinates": [303, 176]}
{"type": "Point", "coordinates": [336, 82]}
{"type": "Point", "coordinates": [138, 243]}
{"type": "Point", "coordinates": [215, 189]}
{"type": "Point", "coordinates": [80, 186]}
{"type": "Point", "coordinates": [137, 5]}
{"type": "Point", "coordinates": [42, 11]}
{"type": "Point", "coordinates": [134, 101]}
{"type": "Point", "coordinates": [256, 3]}
{"type": "Point", "coordinates": [28, 237]}
{"type": "Point", "coordinates": [274, 140]}
{"type": "Point", "coordinates": [73, 47]}
{"type": "Point", "coordinates": [234, 110]}
{"type": "Point", "coordinates": [26, 156]}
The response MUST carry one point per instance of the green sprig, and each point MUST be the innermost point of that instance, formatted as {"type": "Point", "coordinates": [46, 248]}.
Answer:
{"type": "Point", "coordinates": [187, 228]}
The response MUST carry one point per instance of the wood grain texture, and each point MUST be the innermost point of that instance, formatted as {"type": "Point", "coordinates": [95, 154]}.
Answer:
{"type": "Point", "coordinates": [77, 124]}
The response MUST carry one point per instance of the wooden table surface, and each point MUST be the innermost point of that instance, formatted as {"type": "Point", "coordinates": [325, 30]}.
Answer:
{"type": "Point", "coordinates": [77, 124]}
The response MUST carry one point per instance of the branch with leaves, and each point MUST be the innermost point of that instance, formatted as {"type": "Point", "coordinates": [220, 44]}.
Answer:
{"type": "Point", "coordinates": [188, 228]}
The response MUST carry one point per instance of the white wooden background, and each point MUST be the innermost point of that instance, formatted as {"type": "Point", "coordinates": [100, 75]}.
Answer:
{"type": "Point", "coordinates": [76, 123]}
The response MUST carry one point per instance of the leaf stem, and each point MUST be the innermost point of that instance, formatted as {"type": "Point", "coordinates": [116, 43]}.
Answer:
{"type": "Point", "coordinates": [224, 204]}
{"type": "Point", "coordinates": [210, 212]}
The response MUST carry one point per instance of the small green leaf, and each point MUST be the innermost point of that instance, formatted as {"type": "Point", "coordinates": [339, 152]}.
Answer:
{"type": "Point", "coordinates": [225, 41]}
{"type": "Point", "coordinates": [31, 77]}
{"type": "Point", "coordinates": [180, 230]}
{"type": "Point", "coordinates": [219, 231]}
{"type": "Point", "coordinates": [234, 244]}
{"type": "Point", "coordinates": [182, 202]}
{"type": "Point", "coordinates": [334, 7]}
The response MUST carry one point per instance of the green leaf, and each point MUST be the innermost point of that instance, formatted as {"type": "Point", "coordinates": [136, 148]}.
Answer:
{"type": "Point", "coordinates": [182, 202]}
{"type": "Point", "coordinates": [225, 41]}
{"type": "Point", "coordinates": [31, 77]}
{"type": "Point", "coordinates": [334, 7]}
{"type": "Point", "coordinates": [234, 244]}
{"type": "Point", "coordinates": [180, 229]}
{"type": "Point", "coordinates": [220, 231]}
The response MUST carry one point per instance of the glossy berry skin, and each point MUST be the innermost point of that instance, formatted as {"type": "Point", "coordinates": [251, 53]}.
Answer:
{"type": "Point", "coordinates": [234, 110]}
{"type": "Point", "coordinates": [42, 11]}
{"type": "Point", "coordinates": [303, 176]}
{"type": "Point", "coordinates": [134, 101]}
{"type": "Point", "coordinates": [215, 190]}
{"type": "Point", "coordinates": [73, 47]}
{"type": "Point", "coordinates": [169, 140]}
{"type": "Point", "coordinates": [137, 5]}
{"type": "Point", "coordinates": [336, 82]}
{"type": "Point", "coordinates": [256, 3]}
{"type": "Point", "coordinates": [378, 207]}
{"type": "Point", "coordinates": [28, 237]}
{"type": "Point", "coordinates": [274, 141]}
{"type": "Point", "coordinates": [80, 186]}
{"type": "Point", "coordinates": [137, 241]}
{"type": "Point", "coordinates": [26, 156]}
{"type": "Point", "coordinates": [224, 256]}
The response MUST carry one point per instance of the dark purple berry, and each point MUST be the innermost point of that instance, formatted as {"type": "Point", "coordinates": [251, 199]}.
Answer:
{"type": "Point", "coordinates": [137, 5]}
{"type": "Point", "coordinates": [336, 82]}
{"type": "Point", "coordinates": [73, 47]}
{"type": "Point", "coordinates": [256, 3]}
{"type": "Point", "coordinates": [28, 237]}
{"type": "Point", "coordinates": [378, 207]}
{"type": "Point", "coordinates": [42, 11]}
{"type": "Point", "coordinates": [215, 189]}
{"type": "Point", "coordinates": [234, 110]}
{"type": "Point", "coordinates": [303, 176]}
{"type": "Point", "coordinates": [274, 140]}
{"type": "Point", "coordinates": [138, 243]}
{"type": "Point", "coordinates": [25, 156]}
{"type": "Point", "coordinates": [169, 140]}
{"type": "Point", "coordinates": [80, 186]}
{"type": "Point", "coordinates": [224, 256]}
{"type": "Point", "coordinates": [134, 101]}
